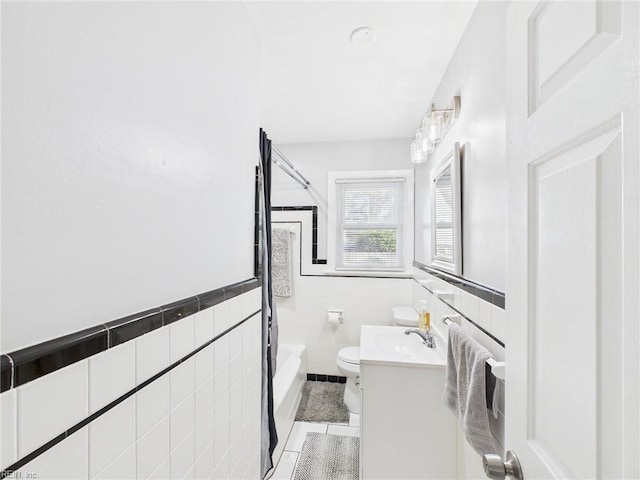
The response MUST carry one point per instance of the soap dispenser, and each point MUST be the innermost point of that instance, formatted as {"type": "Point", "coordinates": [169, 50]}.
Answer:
{"type": "Point", "coordinates": [424, 318]}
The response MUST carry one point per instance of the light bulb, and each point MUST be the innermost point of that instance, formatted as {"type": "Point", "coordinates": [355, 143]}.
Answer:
{"type": "Point", "coordinates": [434, 126]}
{"type": "Point", "coordinates": [421, 139]}
{"type": "Point", "coordinates": [417, 154]}
{"type": "Point", "coordinates": [430, 147]}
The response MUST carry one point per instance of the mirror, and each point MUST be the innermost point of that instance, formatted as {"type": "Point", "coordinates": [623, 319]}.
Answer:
{"type": "Point", "coordinates": [446, 218]}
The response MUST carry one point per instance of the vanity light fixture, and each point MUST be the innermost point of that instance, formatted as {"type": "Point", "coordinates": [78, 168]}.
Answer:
{"type": "Point", "coordinates": [418, 153]}
{"type": "Point", "coordinates": [435, 125]}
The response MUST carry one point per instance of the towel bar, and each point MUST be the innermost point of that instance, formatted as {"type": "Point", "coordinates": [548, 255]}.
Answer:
{"type": "Point", "coordinates": [497, 368]}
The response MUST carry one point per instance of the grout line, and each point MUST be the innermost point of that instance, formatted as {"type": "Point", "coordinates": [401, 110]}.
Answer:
{"type": "Point", "coordinates": [40, 450]}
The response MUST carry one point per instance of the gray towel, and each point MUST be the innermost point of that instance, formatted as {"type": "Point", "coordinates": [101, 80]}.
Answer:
{"type": "Point", "coordinates": [465, 389]}
{"type": "Point", "coordinates": [280, 262]}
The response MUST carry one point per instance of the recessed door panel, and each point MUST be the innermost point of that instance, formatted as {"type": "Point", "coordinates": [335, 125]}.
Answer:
{"type": "Point", "coordinates": [568, 234]}
{"type": "Point", "coordinates": [565, 37]}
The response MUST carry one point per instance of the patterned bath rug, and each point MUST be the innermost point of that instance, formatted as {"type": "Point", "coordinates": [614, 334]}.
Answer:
{"type": "Point", "coordinates": [322, 402]}
{"type": "Point", "coordinates": [328, 457]}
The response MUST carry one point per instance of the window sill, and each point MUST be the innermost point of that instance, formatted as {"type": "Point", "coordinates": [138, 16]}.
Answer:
{"type": "Point", "coordinates": [367, 274]}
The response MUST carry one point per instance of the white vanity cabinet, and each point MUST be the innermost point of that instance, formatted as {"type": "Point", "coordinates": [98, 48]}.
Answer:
{"type": "Point", "coordinates": [406, 432]}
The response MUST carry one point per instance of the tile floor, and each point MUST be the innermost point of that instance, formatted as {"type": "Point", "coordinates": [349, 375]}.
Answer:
{"type": "Point", "coordinates": [287, 464]}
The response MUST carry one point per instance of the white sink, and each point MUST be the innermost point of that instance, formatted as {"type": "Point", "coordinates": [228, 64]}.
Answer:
{"type": "Point", "coordinates": [390, 345]}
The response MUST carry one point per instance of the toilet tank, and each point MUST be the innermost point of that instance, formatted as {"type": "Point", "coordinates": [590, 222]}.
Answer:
{"type": "Point", "coordinates": [405, 316]}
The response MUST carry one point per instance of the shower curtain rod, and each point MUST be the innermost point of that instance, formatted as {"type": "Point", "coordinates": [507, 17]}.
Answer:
{"type": "Point", "coordinates": [289, 168]}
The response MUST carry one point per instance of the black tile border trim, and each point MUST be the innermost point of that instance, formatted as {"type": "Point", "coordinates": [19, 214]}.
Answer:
{"type": "Point", "coordinates": [489, 334]}
{"type": "Point", "coordinates": [6, 372]}
{"type": "Point", "coordinates": [9, 471]}
{"type": "Point", "coordinates": [320, 377]}
{"type": "Point", "coordinates": [488, 294]}
{"type": "Point", "coordinates": [314, 225]}
{"type": "Point", "coordinates": [27, 364]}
{"type": "Point", "coordinates": [39, 360]}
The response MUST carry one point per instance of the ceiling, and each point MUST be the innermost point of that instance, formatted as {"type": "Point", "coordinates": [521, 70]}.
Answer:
{"type": "Point", "coordinates": [317, 86]}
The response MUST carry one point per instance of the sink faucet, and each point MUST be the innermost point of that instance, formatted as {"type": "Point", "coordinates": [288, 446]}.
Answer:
{"type": "Point", "coordinates": [427, 338]}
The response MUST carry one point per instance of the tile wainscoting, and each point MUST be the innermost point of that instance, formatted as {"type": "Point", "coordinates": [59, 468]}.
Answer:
{"type": "Point", "coordinates": [173, 392]}
{"type": "Point", "coordinates": [481, 319]}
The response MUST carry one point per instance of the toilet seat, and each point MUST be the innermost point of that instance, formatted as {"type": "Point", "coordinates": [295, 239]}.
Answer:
{"type": "Point", "coordinates": [350, 355]}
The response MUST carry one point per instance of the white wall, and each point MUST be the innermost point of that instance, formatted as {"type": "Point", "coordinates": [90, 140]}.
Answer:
{"type": "Point", "coordinates": [129, 142]}
{"type": "Point", "coordinates": [314, 160]}
{"type": "Point", "coordinates": [476, 73]}
{"type": "Point", "coordinates": [302, 318]}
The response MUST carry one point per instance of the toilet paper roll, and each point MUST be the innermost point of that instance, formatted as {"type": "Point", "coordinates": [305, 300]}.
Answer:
{"type": "Point", "coordinates": [333, 318]}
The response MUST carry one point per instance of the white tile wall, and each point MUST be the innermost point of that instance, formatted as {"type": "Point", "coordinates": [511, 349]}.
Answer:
{"type": "Point", "coordinates": [366, 301]}
{"type": "Point", "coordinates": [221, 447]}
{"type": "Point", "coordinates": [111, 434]}
{"type": "Point", "coordinates": [8, 428]}
{"type": "Point", "coordinates": [123, 467]}
{"type": "Point", "coordinates": [182, 420]}
{"type": "Point", "coordinates": [204, 365]}
{"type": "Point", "coordinates": [162, 472]}
{"type": "Point", "coordinates": [50, 405]}
{"type": "Point", "coordinates": [222, 467]}
{"type": "Point", "coordinates": [111, 374]}
{"type": "Point", "coordinates": [153, 448]}
{"type": "Point", "coordinates": [204, 463]}
{"type": "Point", "coordinates": [182, 457]}
{"type": "Point", "coordinates": [221, 354]}
{"type": "Point", "coordinates": [67, 460]}
{"type": "Point", "coordinates": [152, 354]}
{"type": "Point", "coordinates": [484, 314]}
{"type": "Point", "coordinates": [205, 398]}
{"type": "Point", "coordinates": [498, 323]}
{"type": "Point", "coordinates": [152, 405]}
{"type": "Point", "coordinates": [183, 381]}
{"type": "Point", "coordinates": [204, 433]}
{"type": "Point", "coordinates": [201, 417]}
{"type": "Point", "coordinates": [222, 320]}
{"type": "Point", "coordinates": [181, 338]}
{"type": "Point", "coordinates": [235, 308]}
{"type": "Point", "coordinates": [203, 326]}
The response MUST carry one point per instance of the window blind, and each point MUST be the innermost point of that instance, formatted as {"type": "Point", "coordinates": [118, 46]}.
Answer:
{"type": "Point", "coordinates": [444, 216]}
{"type": "Point", "coordinates": [370, 230]}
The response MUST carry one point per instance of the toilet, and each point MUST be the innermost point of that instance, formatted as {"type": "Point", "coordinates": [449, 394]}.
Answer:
{"type": "Point", "coordinates": [348, 360]}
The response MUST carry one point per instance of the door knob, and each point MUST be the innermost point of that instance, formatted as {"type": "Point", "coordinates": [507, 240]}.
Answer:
{"type": "Point", "coordinates": [496, 469]}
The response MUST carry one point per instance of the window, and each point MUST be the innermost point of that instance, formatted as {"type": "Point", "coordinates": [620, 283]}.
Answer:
{"type": "Point", "coordinates": [371, 220]}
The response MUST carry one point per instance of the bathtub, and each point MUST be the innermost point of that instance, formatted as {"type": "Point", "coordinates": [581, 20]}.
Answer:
{"type": "Point", "coordinates": [291, 372]}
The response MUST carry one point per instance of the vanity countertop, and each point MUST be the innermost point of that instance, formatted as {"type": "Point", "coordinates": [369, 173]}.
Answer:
{"type": "Point", "coordinates": [384, 345]}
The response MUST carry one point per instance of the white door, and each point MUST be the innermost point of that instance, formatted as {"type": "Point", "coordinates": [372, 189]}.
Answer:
{"type": "Point", "coordinates": [573, 368]}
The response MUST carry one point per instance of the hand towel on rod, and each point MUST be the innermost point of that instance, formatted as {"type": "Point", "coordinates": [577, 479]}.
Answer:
{"type": "Point", "coordinates": [281, 262]}
{"type": "Point", "coordinates": [465, 389]}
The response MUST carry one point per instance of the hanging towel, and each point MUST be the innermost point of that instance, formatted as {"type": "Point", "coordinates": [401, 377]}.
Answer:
{"type": "Point", "coordinates": [280, 262]}
{"type": "Point", "coordinates": [465, 389]}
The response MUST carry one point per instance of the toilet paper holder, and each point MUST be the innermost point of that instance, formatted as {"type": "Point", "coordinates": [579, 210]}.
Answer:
{"type": "Point", "coordinates": [335, 316]}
